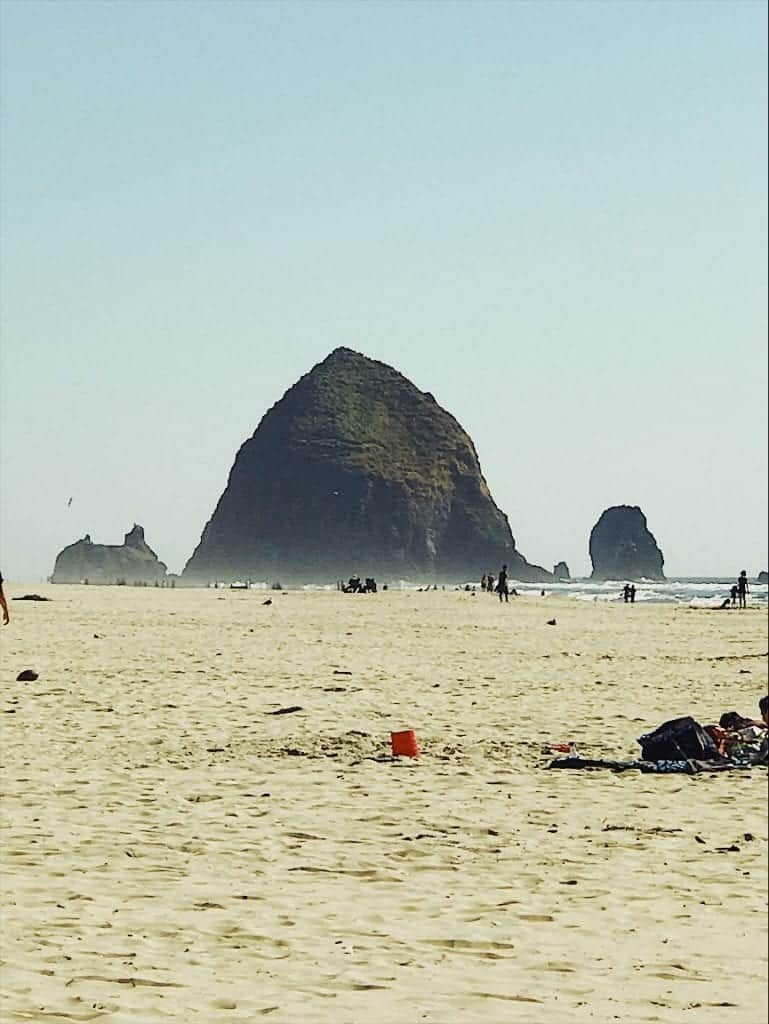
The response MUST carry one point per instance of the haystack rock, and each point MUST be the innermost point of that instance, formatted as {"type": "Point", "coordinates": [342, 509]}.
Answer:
{"type": "Point", "coordinates": [623, 548]}
{"type": "Point", "coordinates": [763, 577]}
{"type": "Point", "coordinates": [561, 571]}
{"type": "Point", "coordinates": [133, 561]}
{"type": "Point", "coordinates": [356, 470]}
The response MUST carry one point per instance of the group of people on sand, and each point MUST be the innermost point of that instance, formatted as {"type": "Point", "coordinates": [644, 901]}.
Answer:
{"type": "Point", "coordinates": [499, 584]}
{"type": "Point", "coordinates": [740, 738]}
{"type": "Point", "coordinates": [740, 590]}
{"type": "Point", "coordinates": [684, 745]}
{"type": "Point", "coordinates": [355, 586]}
{"type": "Point", "coordinates": [738, 594]}
{"type": "Point", "coordinates": [628, 593]}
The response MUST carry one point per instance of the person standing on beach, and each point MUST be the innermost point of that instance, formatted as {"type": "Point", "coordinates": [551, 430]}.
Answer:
{"type": "Point", "coordinates": [743, 588]}
{"type": "Point", "coordinates": [4, 603]}
{"type": "Point", "coordinates": [502, 587]}
{"type": "Point", "coordinates": [632, 593]}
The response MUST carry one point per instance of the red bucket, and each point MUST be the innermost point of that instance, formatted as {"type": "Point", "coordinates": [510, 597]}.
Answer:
{"type": "Point", "coordinates": [404, 744]}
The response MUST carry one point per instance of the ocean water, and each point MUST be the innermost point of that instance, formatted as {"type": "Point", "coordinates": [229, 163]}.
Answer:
{"type": "Point", "coordinates": [697, 591]}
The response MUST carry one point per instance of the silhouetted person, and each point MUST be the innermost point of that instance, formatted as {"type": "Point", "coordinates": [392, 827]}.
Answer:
{"type": "Point", "coordinates": [490, 583]}
{"type": "Point", "coordinates": [626, 593]}
{"type": "Point", "coordinates": [743, 589]}
{"type": "Point", "coordinates": [632, 593]}
{"type": "Point", "coordinates": [502, 588]}
{"type": "Point", "coordinates": [4, 603]}
{"type": "Point", "coordinates": [734, 591]}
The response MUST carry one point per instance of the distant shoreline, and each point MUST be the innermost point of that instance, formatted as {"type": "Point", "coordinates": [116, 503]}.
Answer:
{"type": "Point", "coordinates": [694, 591]}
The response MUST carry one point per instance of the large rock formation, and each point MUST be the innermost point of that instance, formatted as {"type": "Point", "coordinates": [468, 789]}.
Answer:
{"type": "Point", "coordinates": [561, 571]}
{"type": "Point", "coordinates": [622, 547]}
{"type": "Point", "coordinates": [356, 470]}
{"type": "Point", "coordinates": [763, 577]}
{"type": "Point", "coordinates": [133, 561]}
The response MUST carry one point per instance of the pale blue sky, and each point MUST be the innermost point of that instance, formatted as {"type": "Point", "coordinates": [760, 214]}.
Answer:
{"type": "Point", "coordinates": [551, 215]}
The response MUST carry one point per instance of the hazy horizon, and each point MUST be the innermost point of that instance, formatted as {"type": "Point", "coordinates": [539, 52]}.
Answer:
{"type": "Point", "coordinates": [550, 216]}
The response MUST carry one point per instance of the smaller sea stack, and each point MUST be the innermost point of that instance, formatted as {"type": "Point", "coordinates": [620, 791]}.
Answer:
{"type": "Point", "coordinates": [623, 548]}
{"type": "Point", "coordinates": [133, 561]}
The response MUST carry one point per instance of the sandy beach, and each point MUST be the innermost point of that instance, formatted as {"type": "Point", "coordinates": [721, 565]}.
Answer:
{"type": "Point", "coordinates": [171, 850]}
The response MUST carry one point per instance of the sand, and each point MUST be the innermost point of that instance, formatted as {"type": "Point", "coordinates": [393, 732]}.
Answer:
{"type": "Point", "coordinates": [172, 851]}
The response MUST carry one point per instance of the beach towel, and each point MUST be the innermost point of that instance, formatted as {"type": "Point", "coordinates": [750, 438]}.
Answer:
{"type": "Point", "coordinates": [684, 766]}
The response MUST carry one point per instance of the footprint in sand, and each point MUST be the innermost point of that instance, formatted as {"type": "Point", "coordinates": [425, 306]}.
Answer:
{"type": "Point", "coordinates": [265, 948]}
{"type": "Point", "coordinates": [466, 947]}
{"type": "Point", "coordinates": [512, 999]}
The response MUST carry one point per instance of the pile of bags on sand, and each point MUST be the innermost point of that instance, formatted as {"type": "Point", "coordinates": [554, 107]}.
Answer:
{"type": "Point", "coordinates": [682, 745]}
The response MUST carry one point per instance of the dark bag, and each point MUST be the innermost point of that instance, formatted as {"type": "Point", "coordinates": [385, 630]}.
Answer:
{"type": "Point", "coordinates": [676, 740]}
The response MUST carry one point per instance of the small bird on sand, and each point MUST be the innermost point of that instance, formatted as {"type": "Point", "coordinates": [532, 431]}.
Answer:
{"type": "Point", "coordinates": [268, 601]}
{"type": "Point", "coordinates": [552, 622]}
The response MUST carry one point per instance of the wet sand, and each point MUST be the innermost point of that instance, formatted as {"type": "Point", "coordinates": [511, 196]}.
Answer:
{"type": "Point", "coordinates": [173, 851]}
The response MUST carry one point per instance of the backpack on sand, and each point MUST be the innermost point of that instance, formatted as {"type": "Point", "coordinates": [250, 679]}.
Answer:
{"type": "Point", "coordinates": [677, 740]}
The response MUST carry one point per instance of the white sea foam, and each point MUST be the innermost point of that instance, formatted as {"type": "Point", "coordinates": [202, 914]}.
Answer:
{"type": "Point", "coordinates": [699, 592]}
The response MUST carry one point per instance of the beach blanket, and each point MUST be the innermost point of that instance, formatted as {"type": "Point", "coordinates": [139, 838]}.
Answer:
{"type": "Point", "coordinates": [690, 766]}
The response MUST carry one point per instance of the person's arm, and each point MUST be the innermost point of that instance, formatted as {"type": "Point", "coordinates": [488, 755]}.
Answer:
{"type": "Point", "coordinates": [4, 606]}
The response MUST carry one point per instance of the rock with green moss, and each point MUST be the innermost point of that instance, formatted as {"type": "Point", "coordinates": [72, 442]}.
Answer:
{"type": "Point", "coordinates": [132, 562]}
{"type": "Point", "coordinates": [356, 470]}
